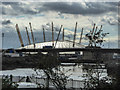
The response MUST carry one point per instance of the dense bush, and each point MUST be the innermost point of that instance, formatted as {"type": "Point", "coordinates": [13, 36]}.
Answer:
{"type": "Point", "coordinates": [7, 83]}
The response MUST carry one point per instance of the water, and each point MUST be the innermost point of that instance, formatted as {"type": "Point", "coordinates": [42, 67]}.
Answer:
{"type": "Point", "coordinates": [76, 75]}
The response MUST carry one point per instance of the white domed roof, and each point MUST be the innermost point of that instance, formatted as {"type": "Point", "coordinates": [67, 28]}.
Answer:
{"type": "Point", "coordinates": [60, 44]}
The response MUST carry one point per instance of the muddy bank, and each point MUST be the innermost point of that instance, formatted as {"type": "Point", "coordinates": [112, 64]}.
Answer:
{"type": "Point", "coordinates": [9, 63]}
{"type": "Point", "coordinates": [30, 61]}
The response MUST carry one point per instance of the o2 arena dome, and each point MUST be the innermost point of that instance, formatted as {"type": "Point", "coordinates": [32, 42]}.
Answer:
{"type": "Point", "coordinates": [59, 44]}
{"type": "Point", "coordinates": [52, 44]}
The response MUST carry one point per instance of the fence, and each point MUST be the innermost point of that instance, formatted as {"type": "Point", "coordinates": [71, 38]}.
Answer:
{"type": "Point", "coordinates": [42, 81]}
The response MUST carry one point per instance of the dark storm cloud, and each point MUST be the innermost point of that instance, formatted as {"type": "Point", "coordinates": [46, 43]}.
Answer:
{"type": "Point", "coordinates": [6, 22]}
{"type": "Point", "coordinates": [113, 3]}
{"type": "Point", "coordinates": [10, 3]}
{"type": "Point", "coordinates": [63, 7]}
{"type": "Point", "coordinates": [77, 8]}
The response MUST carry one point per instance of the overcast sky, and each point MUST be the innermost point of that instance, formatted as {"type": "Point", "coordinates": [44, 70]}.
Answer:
{"type": "Point", "coordinates": [60, 13]}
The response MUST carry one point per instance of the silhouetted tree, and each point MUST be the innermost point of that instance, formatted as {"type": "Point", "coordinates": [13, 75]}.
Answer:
{"type": "Point", "coordinates": [50, 65]}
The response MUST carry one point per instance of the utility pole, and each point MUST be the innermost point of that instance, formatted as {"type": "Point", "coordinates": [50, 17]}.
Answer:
{"type": "Point", "coordinates": [58, 36]}
{"type": "Point", "coordinates": [81, 36]}
{"type": "Point", "coordinates": [63, 35]}
{"type": "Point", "coordinates": [69, 41]}
{"type": "Point", "coordinates": [19, 35]}
{"type": "Point", "coordinates": [3, 39]}
{"type": "Point", "coordinates": [93, 29]}
{"type": "Point", "coordinates": [52, 35]}
{"type": "Point", "coordinates": [74, 35]}
{"type": "Point", "coordinates": [28, 36]}
{"type": "Point", "coordinates": [32, 35]}
{"type": "Point", "coordinates": [95, 37]}
{"type": "Point", "coordinates": [100, 31]}
{"type": "Point", "coordinates": [44, 34]}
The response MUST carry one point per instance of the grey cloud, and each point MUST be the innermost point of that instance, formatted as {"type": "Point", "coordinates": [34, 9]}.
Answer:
{"type": "Point", "coordinates": [17, 9]}
{"type": "Point", "coordinates": [94, 8]}
{"type": "Point", "coordinates": [113, 3]}
{"type": "Point", "coordinates": [111, 20]}
{"type": "Point", "coordinates": [6, 22]}
{"type": "Point", "coordinates": [10, 3]}
{"type": "Point", "coordinates": [77, 8]}
{"type": "Point", "coordinates": [48, 27]}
